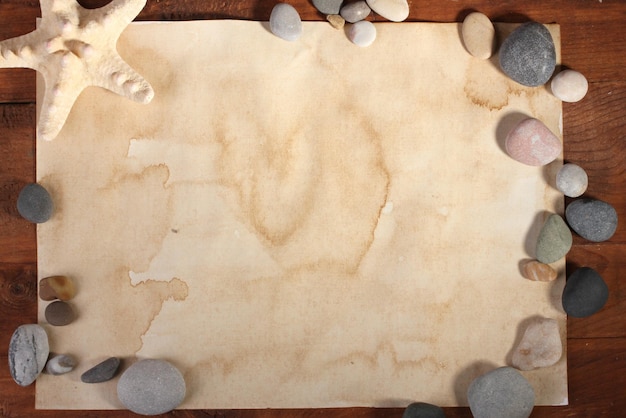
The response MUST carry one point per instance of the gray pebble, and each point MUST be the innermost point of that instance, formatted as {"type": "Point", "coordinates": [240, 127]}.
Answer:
{"type": "Point", "coordinates": [34, 203]}
{"type": "Point", "coordinates": [151, 387]}
{"type": "Point", "coordinates": [585, 293]}
{"type": "Point", "coordinates": [101, 372]}
{"type": "Point", "coordinates": [528, 56]}
{"type": "Point", "coordinates": [60, 364]}
{"type": "Point", "coordinates": [28, 352]}
{"type": "Point", "coordinates": [423, 410]}
{"type": "Point", "coordinates": [572, 180]}
{"type": "Point", "coordinates": [502, 392]}
{"type": "Point", "coordinates": [355, 11]}
{"type": "Point", "coordinates": [285, 22]}
{"type": "Point", "coordinates": [555, 240]}
{"type": "Point", "coordinates": [328, 7]}
{"type": "Point", "coordinates": [59, 313]}
{"type": "Point", "coordinates": [592, 219]}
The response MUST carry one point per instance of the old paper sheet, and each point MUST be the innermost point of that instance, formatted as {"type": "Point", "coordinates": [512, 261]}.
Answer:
{"type": "Point", "coordinates": [306, 224]}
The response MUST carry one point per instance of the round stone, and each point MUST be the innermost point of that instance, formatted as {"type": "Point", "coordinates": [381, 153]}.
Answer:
{"type": "Point", "coordinates": [531, 142]}
{"type": "Point", "coordinates": [479, 35]}
{"type": "Point", "coordinates": [394, 10]}
{"type": "Point", "coordinates": [540, 345]}
{"type": "Point", "coordinates": [572, 180]}
{"type": "Point", "coordinates": [355, 11]}
{"type": "Point", "coordinates": [554, 241]}
{"type": "Point", "coordinates": [592, 219]}
{"type": "Point", "coordinates": [60, 364]}
{"type": "Point", "coordinates": [59, 313]}
{"type": "Point", "coordinates": [56, 287]}
{"type": "Point", "coordinates": [328, 7]}
{"type": "Point", "coordinates": [539, 272]}
{"type": "Point", "coordinates": [423, 410]}
{"type": "Point", "coordinates": [151, 387]}
{"type": "Point", "coordinates": [528, 56]}
{"type": "Point", "coordinates": [285, 22]}
{"type": "Point", "coordinates": [362, 33]}
{"type": "Point", "coordinates": [569, 86]}
{"type": "Point", "coordinates": [101, 372]}
{"type": "Point", "coordinates": [585, 293]}
{"type": "Point", "coordinates": [502, 392]}
{"type": "Point", "coordinates": [34, 203]}
{"type": "Point", "coordinates": [28, 353]}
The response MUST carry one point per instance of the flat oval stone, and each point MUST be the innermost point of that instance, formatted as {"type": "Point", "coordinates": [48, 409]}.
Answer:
{"type": "Point", "coordinates": [585, 293]}
{"type": "Point", "coordinates": [151, 387]}
{"type": "Point", "coordinates": [56, 287]}
{"type": "Point", "coordinates": [555, 240]}
{"type": "Point", "coordinates": [60, 364]}
{"type": "Point", "coordinates": [540, 345]}
{"type": "Point", "coordinates": [572, 180]}
{"type": "Point", "coordinates": [394, 10]}
{"type": "Point", "coordinates": [101, 372]}
{"type": "Point", "coordinates": [34, 203]}
{"type": "Point", "coordinates": [285, 22]}
{"type": "Point", "coordinates": [502, 392]}
{"type": "Point", "coordinates": [592, 219]}
{"type": "Point", "coordinates": [423, 410]}
{"type": "Point", "coordinates": [28, 352]}
{"type": "Point", "coordinates": [59, 313]}
{"type": "Point", "coordinates": [539, 272]}
{"type": "Point", "coordinates": [362, 33]}
{"type": "Point", "coordinates": [355, 11]}
{"type": "Point", "coordinates": [531, 142]}
{"type": "Point", "coordinates": [479, 35]}
{"type": "Point", "coordinates": [569, 86]}
{"type": "Point", "coordinates": [528, 56]}
{"type": "Point", "coordinates": [328, 7]}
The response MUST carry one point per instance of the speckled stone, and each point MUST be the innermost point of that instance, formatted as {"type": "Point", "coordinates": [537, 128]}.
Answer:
{"type": "Point", "coordinates": [540, 345]}
{"type": "Point", "coordinates": [423, 410]}
{"type": "Point", "coordinates": [59, 313]}
{"type": "Point", "coordinates": [28, 353]}
{"type": "Point", "coordinates": [539, 272]}
{"type": "Point", "coordinates": [362, 33]}
{"type": "Point", "coordinates": [355, 11]}
{"type": "Point", "coordinates": [554, 241]}
{"type": "Point", "coordinates": [56, 287]}
{"type": "Point", "coordinates": [394, 10]}
{"type": "Point", "coordinates": [592, 219]}
{"type": "Point", "coordinates": [60, 364]}
{"type": "Point", "coordinates": [328, 7]}
{"type": "Point", "coordinates": [35, 204]}
{"type": "Point", "coordinates": [528, 56]}
{"type": "Point", "coordinates": [502, 392]}
{"type": "Point", "coordinates": [101, 372]}
{"type": "Point", "coordinates": [572, 180]}
{"type": "Point", "coordinates": [585, 293]}
{"type": "Point", "coordinates": [285, 22]}
{"type": "Point", "coordinates": [569, 86]}
{"type": "Point", "coordinates": [479, 35]}
{"type": "Point", "coordinates": [531, 142]}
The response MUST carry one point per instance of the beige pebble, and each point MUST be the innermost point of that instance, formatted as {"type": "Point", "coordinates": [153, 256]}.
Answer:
{"type": "Point", "coordinates": [479, 35]}
{"type": "Point", "coordinates": [540, 345]}
{"type": "Point", "coordinates": [336, 21]}
{"type": "Point", "coordinates": [56, 287]}
{"type": "Point", "coordinates": [539, 272]}
{"type": "Point", "coordinates": [569, 86]}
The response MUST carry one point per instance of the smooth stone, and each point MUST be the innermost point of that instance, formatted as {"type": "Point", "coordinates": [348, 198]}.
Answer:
{"type": "Point", "coordinates": [285, 22]}
{"type": "Point", "coordinates": [101, 372]}
{"type": "Point", "coordinates": [569, 86]}
{"type": "Point", "coordinates": [502, 392]}
{"type": "Point", "coordinates": [479, 35]}
{"type": "Point", "coordinates": [336, 21]}
{"type": "Point", "coordinates": [572, 180]}
{"type": "Point", "coordinates": [328, 7]}
{"type": "Point", "coordinates": [151, 387]}
{"type": "Point", "coordinates": [34, 203]}
{"type": "Point", "coordinates": [362, 33]}
{"type": "Point", "coordinates": [531, 142]}
{"type": "Point", "coordinates": [539, 272]}
{"type": "Point", "coordinates": [56, 287]}
{"type": "Point", "coordinates": [60, 364]}
{"type": "Point", "coordinates": [28, 352]}
{"type": "Point", "coordinates": [394, 10]}
{"type": "Point", "coordinates": [540, 345]}
{"type": "Point", "coordinates": [592, 219]}
{"type": "Point", "coordinates": [59, 313]}
{"type": "Point", "coordinates": [528, 56]}
{"type": "Point", "coordinates": [585, 293]}
{"type": "Point", "coordinates": [554, 241]}
{"type": "Point", "coordinates": [355, 11]}
{"type": "Point", "coordinates": [423, 410]}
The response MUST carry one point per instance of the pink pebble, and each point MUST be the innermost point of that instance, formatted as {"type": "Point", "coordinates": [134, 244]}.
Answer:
{"type": "Point", "coordinates": [531, 142]}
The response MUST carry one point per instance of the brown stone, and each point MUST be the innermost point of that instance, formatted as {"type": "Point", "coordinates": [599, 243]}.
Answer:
{"type": "Point", "coordinates": [59, 313]}
{"type": "Point", "coordinates": [539, 272]}
{"type": "Point", "coordinates": [56, 287]}
{"type": "Point", "coordinates": [336, 21]}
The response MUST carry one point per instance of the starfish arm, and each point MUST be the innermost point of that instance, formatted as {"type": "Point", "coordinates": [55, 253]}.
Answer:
{"type": "Point", "coordinates": [114, 17]}
{"type": "Point", "coordinates": [19, 52]}
{"type": "Point", "coordinates": [119, 77]}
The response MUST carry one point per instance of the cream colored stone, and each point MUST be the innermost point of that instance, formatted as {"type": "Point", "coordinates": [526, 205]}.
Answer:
{"type": "Point", "coordinates": [540, 345]}
{"type": "Point", "coordinates": [569, 86]}
{"type": "Point", "coordinates": [394, 10]}
{"type": "Point", "coordinates": [479, 35]}
{"type": "Point", "coordinates": [336, 21]}
{"type": "Point", "coordinates": [540, 272]}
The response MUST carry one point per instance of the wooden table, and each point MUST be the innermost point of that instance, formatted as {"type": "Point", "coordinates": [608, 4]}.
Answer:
{"type": "Point", "coordinates": [593, 42]}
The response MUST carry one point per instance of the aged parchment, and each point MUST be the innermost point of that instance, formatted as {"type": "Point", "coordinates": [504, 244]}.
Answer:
{"type": "Point", "coordinates": [306, 224]}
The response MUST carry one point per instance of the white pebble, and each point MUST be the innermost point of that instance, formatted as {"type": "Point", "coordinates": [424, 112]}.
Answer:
{"type": "Point", "coordinates": [285, 22]}
{"type": "Point", "coordinates": [362, 33]}
{"type": "Point", "coordinates": [572, 180]}
{"type": "Point", "coordinates": [569, 86]}
{"type": "Point", "coordinates": [394, 10]}
{"type": "Point", "coordinates": [478, 35]}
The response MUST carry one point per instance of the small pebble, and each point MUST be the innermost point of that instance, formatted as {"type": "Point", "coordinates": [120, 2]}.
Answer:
{"type": "Point", "coordinates": [572, 180]}
{"type": "Point", "coordinates": [502, 392]}
{"type": "Point", "coordinates": [355, 11]}
{"type": "Point", "coordinates": [555, 240]}
{"type": "Point", "coordinates": [479, 35]}
{"type": "Point", "coordinates": [539, 272]}
{"type": "Point", "coordinates": [285, 22]}
{"type": "Point", "coordinates": [362, 33]}
{"type": "Point", "coordinates": [151, 387]}
{"type": "Point", "coordinates": [423, 410]}
{"type": "Point", "coordinates": [394, 10]}
{"type": "Point", "coordinates": [328, 7]}
{"type": "Point", "coordinates": [28, 352]}
{"type": "Point", "coordinates": [569, 86]}
{"type": "Point", "coordinates": [531, 142]}
{"type": "Point", "coordinates": [336, 21]}
{"type": "Point", "coordinates": [540, 345]}
{"type": "Point", "coordinates": [59, 313]}
{"type": "Point", "coordinates": [528, 56]}
{"type": "Point", "coordinates": [585, 293]}
{"type": "Point", "coordinates": [34, 203]}
{"type": "Point", "coordinates": [592, 219]}
{"type": "Point", "coordinates": [60, 364]}
{"type": "Point", "coordinates": [101, 372]}
{"type": "Point", "coordinates": [56, 287]}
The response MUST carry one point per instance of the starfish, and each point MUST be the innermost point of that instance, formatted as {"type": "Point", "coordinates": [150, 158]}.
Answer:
{"type": "Point", "coordinates": [74, 48]}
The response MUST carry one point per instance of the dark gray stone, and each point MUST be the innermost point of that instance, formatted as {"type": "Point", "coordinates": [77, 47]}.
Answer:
{"type": "Point", "coordinates": [502, 392]}
{"type": "Point", "coordinates": [585, 293]}
{"type": "Point", "coordinates": [34, 203]}
{"type": "Point", "coordinates": [59, 313]}
{"type": "Point", "coordinates": [151, 387]}
{"type": "Point", "coordinates": [285, 22]}
{"type": "Point", "coordinates": [423, 410]}
{"type": "Point", "coordinates": [101, 372]}
{"type": "Point", "coordinates": [328, 7]}
{"type": "Point", "coordinates": [28, 353]}
{"type": "Point", "coordinates": [355, 11]}
{"type": "Point", "coordinates": [528, 56]}
{"type": "Point", "coordinates": [555, 240]}
{"type": "Point", "coordinates": [592, 219]}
